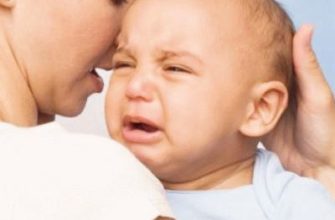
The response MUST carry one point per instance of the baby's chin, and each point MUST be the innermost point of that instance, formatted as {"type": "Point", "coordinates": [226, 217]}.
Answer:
{"type": "Point", "coordinates": [153, 161]}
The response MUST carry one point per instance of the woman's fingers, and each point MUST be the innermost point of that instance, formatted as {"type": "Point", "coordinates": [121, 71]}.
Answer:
{"type": "Point", "coordinates": [312, 84]}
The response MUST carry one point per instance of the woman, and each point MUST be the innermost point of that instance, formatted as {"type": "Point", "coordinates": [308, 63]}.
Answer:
{"type": "Point", "coordinates": [49, 52]}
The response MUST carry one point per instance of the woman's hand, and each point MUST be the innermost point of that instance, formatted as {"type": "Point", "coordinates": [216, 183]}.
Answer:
{"type": "Point", "coordinates": [305, 142]}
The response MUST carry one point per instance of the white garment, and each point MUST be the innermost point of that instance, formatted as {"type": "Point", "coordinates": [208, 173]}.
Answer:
{"type": "Point", "coordinates": [47, 173]}
{"type": "Point", "coordinates": [275, 194]}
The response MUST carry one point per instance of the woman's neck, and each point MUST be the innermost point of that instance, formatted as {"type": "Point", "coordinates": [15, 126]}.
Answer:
{"type": "Point", "coordinates": [17, 105]}
{"type": "Point", "coordinates": [44, 118]}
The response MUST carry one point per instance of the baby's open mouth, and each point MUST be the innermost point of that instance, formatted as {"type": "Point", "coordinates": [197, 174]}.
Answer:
{"type": "Point", "coordinates": [142, 126]}
{"type": "Point", "coordinates": [140, 130]}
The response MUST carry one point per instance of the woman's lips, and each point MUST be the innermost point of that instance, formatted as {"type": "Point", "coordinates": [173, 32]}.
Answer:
{"type": "Point", "coordinates": [97, 80]}
{"type": "Point", "coordinates": [140, 130]}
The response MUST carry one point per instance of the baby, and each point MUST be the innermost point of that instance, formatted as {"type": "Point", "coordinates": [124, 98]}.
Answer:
{"type": "Point", "coordinates": [196, 85]}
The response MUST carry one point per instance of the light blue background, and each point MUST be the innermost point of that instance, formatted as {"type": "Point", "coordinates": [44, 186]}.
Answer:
{"type": "Point", "coordinates": [320, 13]}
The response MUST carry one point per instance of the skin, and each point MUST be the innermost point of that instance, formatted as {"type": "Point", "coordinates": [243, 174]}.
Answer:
{"type": "Point", "coordinates": [50, 54]}
{"type": "Point", "coordinates": [180, 80]}
{"type": "Point", "coordinates": [48, 49]}
{"type": "Point", "coordinates": [19, 106]}
{"type": "Point", "coordinates": [305, 143]}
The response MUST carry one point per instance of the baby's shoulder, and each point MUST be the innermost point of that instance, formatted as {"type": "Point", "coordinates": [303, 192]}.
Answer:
{"type": "Point", "coordinates": [304, 198]}
{"type": "Point", "coordinates": [285, 195]}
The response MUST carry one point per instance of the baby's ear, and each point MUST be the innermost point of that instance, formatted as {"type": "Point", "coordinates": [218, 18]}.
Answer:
{"type": "Point", "coordinates": [269, 101]}
{"type": "Point", "coordinates": [7, 3]}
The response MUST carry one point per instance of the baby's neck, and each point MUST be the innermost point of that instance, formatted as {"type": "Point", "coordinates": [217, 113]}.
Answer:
{"type": "Point", "coordinates": [233, 175]}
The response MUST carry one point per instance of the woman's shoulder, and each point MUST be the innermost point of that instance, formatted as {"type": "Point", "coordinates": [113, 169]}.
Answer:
{"type": "Point", "coordinates": [89, 158]}
{"type": "Point", "coordinates": [47, 164]}
{"type": "Point", "coordinates": [50, 134]}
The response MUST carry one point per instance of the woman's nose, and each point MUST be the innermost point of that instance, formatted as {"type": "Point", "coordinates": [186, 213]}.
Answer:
{"type": "Point", "coordinates": [106, 62]}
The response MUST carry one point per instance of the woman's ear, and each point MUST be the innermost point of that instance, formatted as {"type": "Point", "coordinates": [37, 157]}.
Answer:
{"type": "Point", "coordinates": [7, 3]}
{"type": "Point", "coordinates": [269, 101]}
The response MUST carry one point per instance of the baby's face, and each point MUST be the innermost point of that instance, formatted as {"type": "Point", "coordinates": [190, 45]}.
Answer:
{"type": "Point", "coordinates": [179, 88]}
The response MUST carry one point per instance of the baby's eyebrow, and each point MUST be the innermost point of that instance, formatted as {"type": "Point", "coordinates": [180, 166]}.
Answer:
{"type": "Point", "coordinates": [124, 51]}
{"type": "Point", "coordinates": [165, 54]}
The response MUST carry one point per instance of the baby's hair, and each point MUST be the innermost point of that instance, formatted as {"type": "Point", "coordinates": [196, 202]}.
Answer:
{"type": "Point", "coordinates": [275, 31]}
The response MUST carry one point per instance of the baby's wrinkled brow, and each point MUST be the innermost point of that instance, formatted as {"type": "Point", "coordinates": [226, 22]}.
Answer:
{"type": "Point", "coordinates": [171, 54]}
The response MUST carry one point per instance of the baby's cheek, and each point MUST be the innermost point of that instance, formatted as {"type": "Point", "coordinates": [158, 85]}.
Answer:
{"type": "Point", "coordinates": [113, 114]}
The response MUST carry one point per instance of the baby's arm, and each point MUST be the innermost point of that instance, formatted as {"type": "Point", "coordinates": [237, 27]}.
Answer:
{"type": "Point", "coordinates": [305, 142]}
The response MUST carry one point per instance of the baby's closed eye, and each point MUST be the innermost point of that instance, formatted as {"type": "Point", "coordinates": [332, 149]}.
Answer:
{"type": "Point", "coordinates": [122, 65]}
{"type": "Point", "coordinates": [176, 68]}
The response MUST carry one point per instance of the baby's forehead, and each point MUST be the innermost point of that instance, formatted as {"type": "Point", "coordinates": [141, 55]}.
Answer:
{"type": "Point", "coordinates": [218, 10]}
{"type": "Point", "coordinates": [212, 23]}
{"type": "Point", "coordinates": [248, 23]}
{"type": "Point", "coordinates": [210, 15]}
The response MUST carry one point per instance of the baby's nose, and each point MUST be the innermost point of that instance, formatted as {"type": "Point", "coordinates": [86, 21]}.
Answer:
{"type": "Point", "coordinates": [140, 87]}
